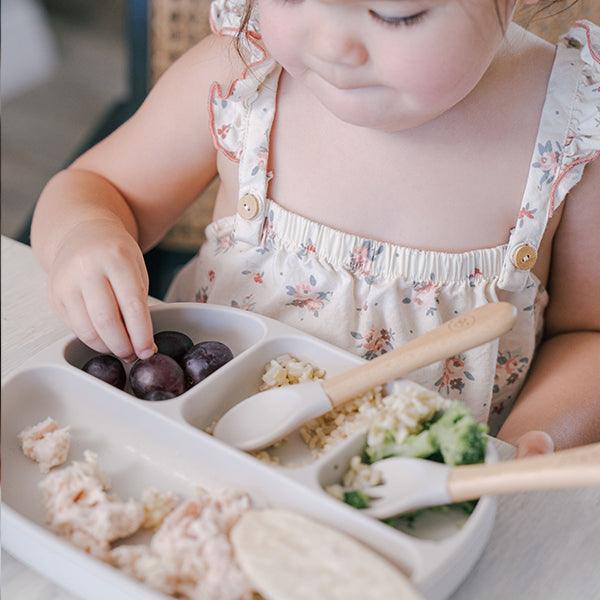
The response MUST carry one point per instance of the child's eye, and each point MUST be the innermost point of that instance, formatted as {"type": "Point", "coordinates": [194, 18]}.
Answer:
{"type": "Point", "coordinates": [399, 21]}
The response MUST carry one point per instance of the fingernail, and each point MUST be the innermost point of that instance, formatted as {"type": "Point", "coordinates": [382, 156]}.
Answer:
{"type": "Point", "coordinates": [146, 353]}
{"type": "Point", "coordinates": [130, 359]}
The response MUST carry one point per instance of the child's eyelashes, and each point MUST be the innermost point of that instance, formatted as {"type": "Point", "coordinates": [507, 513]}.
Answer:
{"type": "Point", "coordinates": [388, 21]}
{"type": "Point", "coordinates": [399, 21]}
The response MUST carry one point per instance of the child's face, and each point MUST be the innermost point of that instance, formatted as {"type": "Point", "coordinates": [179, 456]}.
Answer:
{"type": "Point", "coordinates": [374, 74]}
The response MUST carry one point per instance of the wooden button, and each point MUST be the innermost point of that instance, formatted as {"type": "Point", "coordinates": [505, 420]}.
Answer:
{"type": "Point", "coordinates": [524, 257]}
{"type": "Point", "coordinates": [248, 206]}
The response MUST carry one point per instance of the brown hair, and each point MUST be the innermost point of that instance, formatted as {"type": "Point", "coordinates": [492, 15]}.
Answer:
{"type": "Point", "coordinates": [243, 27]}
{"type": "Point", "coordinates": [538, 11]}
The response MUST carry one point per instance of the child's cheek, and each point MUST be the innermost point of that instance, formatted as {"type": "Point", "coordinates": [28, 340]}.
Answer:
{"type": "Point", "coordinates": [281, 39]}
{"type": "Point", "coordinates": [440, 62]}
{"type": "Point", "coordinates": [437, 78]}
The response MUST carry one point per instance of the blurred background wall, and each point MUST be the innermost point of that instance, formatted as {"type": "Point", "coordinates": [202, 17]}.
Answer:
{"type": "Point", "coordinates": [48, 111]}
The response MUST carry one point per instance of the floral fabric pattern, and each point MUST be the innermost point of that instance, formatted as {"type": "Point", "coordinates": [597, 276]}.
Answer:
{"type": "Point", "coordinates": [453, 375]}
{"type": "Point", "coordinates": [247, 303]}
{"type": "Point", "coordinates": [374, 342]}
{"type": "Point", "coordinates": [425, 294]}
{"type": "Point", "coordinates": [255, 275]}
{"type": "Point", "coordinates": [526, 213]}
{"type": "Point", "coordinates": [475, 277]}
{"type": "Point", "coordinates": [548, 161]}
{"type": "Point", "coordinates": [306, 249]}
{"type": "Point", "coordinates": [306, 296]}
{"type": "Point", "coordinates": [362, 258]}
{"type": "Point", "coordinates": [509, 367]}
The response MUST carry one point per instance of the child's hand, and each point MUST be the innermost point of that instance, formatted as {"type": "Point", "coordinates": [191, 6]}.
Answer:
{"type": "Point", "coordinates": [98, 284]}
{"type": "Point", "coordinates": [532, 443]}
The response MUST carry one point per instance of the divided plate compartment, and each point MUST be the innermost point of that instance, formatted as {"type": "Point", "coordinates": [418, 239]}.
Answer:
{"type": "Point", "coordinates": [164, 445]}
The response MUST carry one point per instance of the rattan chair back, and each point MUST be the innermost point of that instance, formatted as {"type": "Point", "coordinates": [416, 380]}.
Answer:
{"type": "Point", "coordinates": [175, 26]}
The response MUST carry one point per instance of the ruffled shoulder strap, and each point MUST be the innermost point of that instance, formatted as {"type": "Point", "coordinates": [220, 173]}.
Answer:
{"type": "Point", "coordinates": [241, 119]}
{"type": "Point", "coordinates": [228, 111]}
{"type": "Point", "coordinates": [568, 139]}
{"type": "Point", "coordinates": [582, 139]}
{"type": "Point", "coordinates": [226, 16]}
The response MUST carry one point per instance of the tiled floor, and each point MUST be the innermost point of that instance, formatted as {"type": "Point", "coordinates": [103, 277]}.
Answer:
{"type": "Point", "coordinates": [43, 128]}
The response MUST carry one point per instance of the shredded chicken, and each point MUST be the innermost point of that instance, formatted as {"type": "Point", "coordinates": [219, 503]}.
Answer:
{"type": "Point", "coordinates": [157, 505]}
{"type": "Point", "coordinates": [80, 508]}
{"type": "Point", "coordinates": [191, 555]}
{"type": "Point", "coordinates": [46, 444]}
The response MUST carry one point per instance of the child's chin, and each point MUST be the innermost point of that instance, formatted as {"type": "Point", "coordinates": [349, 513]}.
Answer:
{"type": "Point", "coordinates": [372, 118]}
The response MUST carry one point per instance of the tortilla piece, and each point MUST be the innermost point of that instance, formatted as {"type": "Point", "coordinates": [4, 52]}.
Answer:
{"type": "Point", "coordinates": [289, 557]}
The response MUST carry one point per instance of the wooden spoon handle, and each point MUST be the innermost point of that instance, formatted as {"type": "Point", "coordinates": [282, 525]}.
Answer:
{"type": "Point", "coordinates": [577, 467]}
{"type": "Point", "coordinates": [462, 333]}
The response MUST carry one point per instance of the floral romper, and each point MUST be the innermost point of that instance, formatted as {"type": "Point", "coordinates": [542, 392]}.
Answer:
{"type": "Point", "coordinates": [369, 296]}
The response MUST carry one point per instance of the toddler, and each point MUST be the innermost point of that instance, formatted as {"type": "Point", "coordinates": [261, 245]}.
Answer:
{"type": "Point", "coordinates": [385, 165]}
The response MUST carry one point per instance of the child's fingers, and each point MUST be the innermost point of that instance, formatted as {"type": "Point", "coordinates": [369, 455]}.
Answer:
{"type": "Point", "coordinates": [533, 443]}
{"type": "Point", "coordinates": [78, 319]}
{"type": "Point", "coordinates": [104, 313]}
{"type": "Point", "coordinates": [131, 296]}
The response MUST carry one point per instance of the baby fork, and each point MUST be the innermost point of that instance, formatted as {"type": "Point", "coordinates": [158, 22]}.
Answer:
{"type": "Point", "coordinates": [413, 483]}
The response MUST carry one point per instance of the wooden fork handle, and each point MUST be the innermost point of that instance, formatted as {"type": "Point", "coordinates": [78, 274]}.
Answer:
{"type": "Point", "coordinates": [462, 333]}
{"type": "Point", "coordinates": [577, 467]}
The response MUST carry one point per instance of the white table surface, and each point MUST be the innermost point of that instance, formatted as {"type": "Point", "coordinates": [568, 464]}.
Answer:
{"type": "Point", "coordinates": [544, 545]}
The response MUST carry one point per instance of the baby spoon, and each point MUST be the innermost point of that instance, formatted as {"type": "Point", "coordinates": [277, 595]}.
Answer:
{"type": "Point", "coordinates": [413, 483]}
{"type": "Point", "coordinates": [268, 416]}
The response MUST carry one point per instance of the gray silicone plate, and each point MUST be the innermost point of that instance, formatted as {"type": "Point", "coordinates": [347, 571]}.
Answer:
{"type": "Point", "coordinates": [162, 444]}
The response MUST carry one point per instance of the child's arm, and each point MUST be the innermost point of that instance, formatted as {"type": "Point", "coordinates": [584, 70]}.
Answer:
{"type": "Point", "coordinates": [562, 393]}
{"type": "Point", "coordinates": [124, 194]}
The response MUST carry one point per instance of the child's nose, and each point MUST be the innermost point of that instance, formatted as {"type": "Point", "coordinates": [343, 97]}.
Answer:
{"type": "Point", "coordinates": [343, 48]}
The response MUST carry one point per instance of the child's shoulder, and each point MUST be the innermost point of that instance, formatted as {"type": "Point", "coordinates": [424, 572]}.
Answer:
{"type": "Point", "coordinates": [578, 47]}
{"type": "Point", "coordinates": [214, 58]}
{"type": "Point", "coordinates": [531, 42]}
{"type": "Point", "coordinates": [530, 54]}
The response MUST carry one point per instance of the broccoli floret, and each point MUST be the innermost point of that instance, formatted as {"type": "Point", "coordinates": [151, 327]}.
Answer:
{"type": "Point", "coordinates": [384, 450]}
{"type": "Point", "coordinates": [357, 499]}
{"type": "Point", "coordinates": [455, 412]}
{"type": "Point", "coordinates": [467, 506]}
{"type": "Point", "coordinates": [430, 422]}
{"type": "Point", "coordinates": [420, 445]}
{"type": "Point", "coordinates": [375, 453]}
{"type": "Point", "coordinates": [437, 457]}
{"type": "Point", "coordinates": [409, 519]}
{"type": "Point", "coordinates": [461, 439]}
{"type": "Point", "coordinates": [452, 437]}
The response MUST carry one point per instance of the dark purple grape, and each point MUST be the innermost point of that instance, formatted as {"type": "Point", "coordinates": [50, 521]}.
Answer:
{"type": "Point", "coordinates": [157, 373]}
{"type": "Point", "coordinates": [203, 359]}
{"type": "Point", "coordinates": [108, 368]}
{"type": "Point", "coordinates": [156, 395]}
{"type": "Point", "coordinates": [173, 344]}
